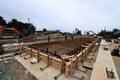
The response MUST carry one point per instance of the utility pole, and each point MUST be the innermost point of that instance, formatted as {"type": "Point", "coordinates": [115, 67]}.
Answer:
{"type": "Point", "coordinates": [28, 20]}
{"type": "Point", "coordinates": [58, 34]}
{"type": "Point", "coordinates": [29, 25]}
{"type": "Point", "coordinates": [105, 28]}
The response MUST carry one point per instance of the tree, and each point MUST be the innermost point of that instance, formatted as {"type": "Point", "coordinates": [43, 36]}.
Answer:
{"type": "Point", "coordinates": [2, 21]}
{"type": "Point", "coordinates": [101, 33]}
{"type": "Point", "coordinates": [44, 30]}
{"type": "Point", "coordinates": [30, 27]}
{"type": "Point", "coordinates": [17, 24]}
{"type": "Point", "coordinates": [22, 26]}
{"type": "Point", "coordinates": [115, 33]}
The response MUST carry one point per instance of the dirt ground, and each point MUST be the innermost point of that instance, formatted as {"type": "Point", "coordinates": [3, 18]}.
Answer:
{"type": "Point", "coordinates": [69, 47]}
{"type": "Point", "coordinates": [14, 71]}
{"type": "Point", "coordinates": [116, 59]}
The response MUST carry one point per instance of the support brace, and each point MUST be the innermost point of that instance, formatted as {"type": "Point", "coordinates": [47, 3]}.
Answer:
{"type": "Point", "coordinates": [62, 70]}
{"type": "Point", "coordinates": [30, 54]}
{"type": "Point", "coordinates": [48, 64]}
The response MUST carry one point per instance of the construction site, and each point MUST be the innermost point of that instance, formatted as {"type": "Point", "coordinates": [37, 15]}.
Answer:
{"type": "Point", "coordinates": [57, 57]}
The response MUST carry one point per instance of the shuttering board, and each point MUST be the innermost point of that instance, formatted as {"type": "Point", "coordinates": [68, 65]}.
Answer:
{"type": "Point", "coordinates": [81, 56]}
{"type": "Point", "coordinates": [34, 55]}
{"type": "Point", "coordinates": [43, 57]}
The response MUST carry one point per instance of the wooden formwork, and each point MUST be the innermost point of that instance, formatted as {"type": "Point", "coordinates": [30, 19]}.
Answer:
{"type": "Point", "coordinates": [55, 62]}
{"type": "Point", "coordinates": [71, 66]}
{"type": "Point", "coordinates": [67, 67]}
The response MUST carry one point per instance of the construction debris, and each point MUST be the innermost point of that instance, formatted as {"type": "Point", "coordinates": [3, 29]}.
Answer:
{"type": "Point", "coordinates": [1, 73]}
{"type": "Point", "coordinates": [34, 60]}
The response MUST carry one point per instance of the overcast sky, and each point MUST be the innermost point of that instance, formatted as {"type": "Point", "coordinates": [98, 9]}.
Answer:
{"type": "Point", "coordinates": [64, 15]}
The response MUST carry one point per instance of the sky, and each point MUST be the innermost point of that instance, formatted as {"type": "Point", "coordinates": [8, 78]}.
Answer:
{"type": "Point", "coordinates": [64, 15]}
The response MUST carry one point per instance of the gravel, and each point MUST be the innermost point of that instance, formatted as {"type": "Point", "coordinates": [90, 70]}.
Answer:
{"type": "Point", "coordinates": [14, 71]}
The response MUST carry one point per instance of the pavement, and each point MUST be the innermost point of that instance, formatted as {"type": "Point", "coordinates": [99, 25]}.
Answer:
{"type": "Point", "coordinates": [48, 74]}
{"type": "Point", "coordinates": [104, 60]}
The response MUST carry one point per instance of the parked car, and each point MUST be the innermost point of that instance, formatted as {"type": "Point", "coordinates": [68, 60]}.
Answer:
{"type": "Point", "coordinates": [116, 52]}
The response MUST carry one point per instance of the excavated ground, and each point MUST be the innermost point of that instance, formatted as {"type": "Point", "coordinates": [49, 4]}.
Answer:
{"type": "Point", "coordinates": [68, 47]}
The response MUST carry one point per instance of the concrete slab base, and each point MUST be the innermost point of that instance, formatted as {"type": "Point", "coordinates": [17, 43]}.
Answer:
{"type": "Point", "coordinates": [48, 74]}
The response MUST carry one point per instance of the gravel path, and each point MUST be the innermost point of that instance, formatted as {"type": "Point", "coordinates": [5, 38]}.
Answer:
{"type": "Point", "coordinates": [14, 71]}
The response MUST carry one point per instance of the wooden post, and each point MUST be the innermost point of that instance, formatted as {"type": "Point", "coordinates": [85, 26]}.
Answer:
{"type": "Point", "coordinates": [30, 52]}
{"type": "Point", "coordinates": [82, 57]}
{"type": "Point", "coordinates": [67, 70]}
{"type": "Point", "coordinates": [47, 50]}
{"type": "Point", "coordinates": [22, 47]}
{"type": "Point", "coordinates": [65, 36]}
{"type": "Point", "coordinates": [38, 55]}
{"type": "Point", "coordinates": [62, 67]}
{"type": "Point", "coordinates": [62, 70]}
{"type": "Point", "coordinates": [48, 63]}
{"type": "Point", "coordinates": [48, 38]}
{"type": "Point", "coordinates": [76, 62]}
{"type": "Point", "coordinates": [71, 66]}
{"type": "Point", "coordinates": [48, 60]}
{"type": "Point", "coordinates": [26, 51]}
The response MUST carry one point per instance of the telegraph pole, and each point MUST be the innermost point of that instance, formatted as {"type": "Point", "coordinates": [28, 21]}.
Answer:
{"type": "Point", "coordinates": [105, 28]}
{"type": "Point", "coordinates": [28, 20]}
{"type": "Point", "coordinates": [28, 26]}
